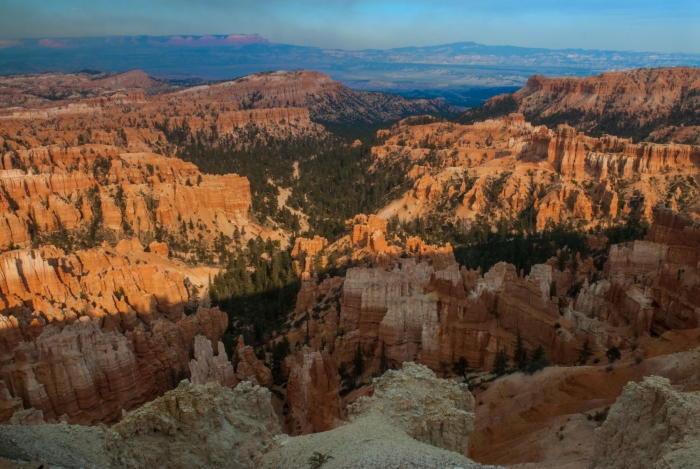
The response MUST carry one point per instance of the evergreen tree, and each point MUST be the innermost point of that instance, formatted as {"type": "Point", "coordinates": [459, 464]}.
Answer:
{"type": "Point", "coordinates": [383, 363]}
{"type": "Point", "coordinates": [613, 354]}
{"type": "Point", "coordinates": [520, 354]}
{"type": "Point", "coordinates": [538, 360]}
{"type": "Point", "coordinates": [500, 363]}
{"type": "Point", "coordinates": [585, 353]}
{"type": "Point", "coordinates": [461, 367]}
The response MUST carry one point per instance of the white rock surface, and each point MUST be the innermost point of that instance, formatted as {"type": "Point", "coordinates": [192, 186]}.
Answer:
{"type": "Point", "coordinates": [650, 426]}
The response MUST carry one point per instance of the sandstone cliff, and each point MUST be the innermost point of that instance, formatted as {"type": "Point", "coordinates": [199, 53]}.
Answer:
{"type": "Point", "coordinates": [629, 103]}
{"type": "Point", "coordinates": [312, 397]}
{"type": "Point", "coordinates": [506, 169]}
{"type": "Point", "coordinates": [88, 334]}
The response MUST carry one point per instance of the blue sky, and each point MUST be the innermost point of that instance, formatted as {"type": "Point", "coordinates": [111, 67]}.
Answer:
{"type": "Point", "coordinates": [643, 25]}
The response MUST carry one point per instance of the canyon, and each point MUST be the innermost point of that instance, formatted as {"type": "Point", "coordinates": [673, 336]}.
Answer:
{"type": "Point", "coordinates": [149, 311]}
{"type": "Point", "coordinates": [532, 176]}
{"type": "Point", "coordinates": [424, 308]}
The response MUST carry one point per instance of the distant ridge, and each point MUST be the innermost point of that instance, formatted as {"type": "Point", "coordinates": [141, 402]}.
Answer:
{"type": "Point", "coordinates": [631, 103]}
{"type": "Point", "coordinates": [461, 65]}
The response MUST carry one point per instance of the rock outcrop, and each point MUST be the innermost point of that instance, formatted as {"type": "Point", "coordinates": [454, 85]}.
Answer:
{"type": "Point", "coordinates": [434, 411]}
{"type": "Point", "coordinates": [411, 416]}
{"type": "Point", "coordinates": [650, 426]}
{"type": "Point", "coordinates": [619, 102]}
{"type": "Point", "coordinates": [505, 169]}
{"type": "Point", "coordinates": [191, 426]}
{"type": "Point", "coordinates": [205, 367]}
{"type": "Point", "coordinates": [312, 397]}
{"type": "Point", "coordinates": [250, 368]}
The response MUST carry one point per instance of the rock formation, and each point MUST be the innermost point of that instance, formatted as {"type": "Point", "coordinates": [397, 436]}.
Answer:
{"type": "Point", "coordinates": [431, 410]}
{"type": "Point", "coordinates": [205, 367]}
{"type": "Point", "coordinates": [650, 426]}
{"type": "Point", "coordinates": [87, 334]}
{"type": "Point", "coordinates": [191, 426]}
{"type": "Point", "coordinates": [506, 169]}
{"type": "Point", "coordinates": [312, 396]}
{"type": "Point", "coordinates": [410, 414]}
{"type": "Point", "coordinates": [250, 368]}
{"type": "Point", "coordinates": [138, 192]}
{"type": "Point", "coordinates": [629, 100]}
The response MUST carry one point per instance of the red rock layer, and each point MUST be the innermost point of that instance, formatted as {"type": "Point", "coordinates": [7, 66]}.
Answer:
{"type": "Point", "coordinates": [312, 395]}
{"type": "Point", "coordinates": [91, 333]}
{"type": "Point", "coordinates": [87, 375]}
{"type": "Point", "coordinates": [643, 94]}
{"type": "Point", "coordinates": [435, 314]}
{"type": "Point", "coordinates": [134, 189]}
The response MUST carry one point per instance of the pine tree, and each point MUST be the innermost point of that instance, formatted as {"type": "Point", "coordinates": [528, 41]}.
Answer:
{"type": "Point", "coordinates": [585, 353]}
{"type": "Point", "coordinates": [461, 367]}
{"type": "Point", "coordinates": [383, 363]}
{"type": "Point", "coordinates": [520, 354]}
{"type": "Point", "coordinates": [500, 363]}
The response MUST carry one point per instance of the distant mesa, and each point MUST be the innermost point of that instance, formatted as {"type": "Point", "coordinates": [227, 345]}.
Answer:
{"type": "Point", "coordinates": [52, 44]}
{"type": "Point", "coordinates": [8, 44]}
{"type": "Point", "coordinates": [209, 41]}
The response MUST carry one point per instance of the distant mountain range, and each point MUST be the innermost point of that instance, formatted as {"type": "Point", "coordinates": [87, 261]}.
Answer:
{"type": "Point", "coordinates": [453, 71]}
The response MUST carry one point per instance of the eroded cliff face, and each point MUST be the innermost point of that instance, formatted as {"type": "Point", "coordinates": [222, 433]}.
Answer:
{"type": "Point", "coordinates": [312, 397]}
{"type": "Point", "coordinates": [427, 310]}
{"type": "Point", "coordinates": [87, 334]}
{"type": "Point", "coordinates": [630, 102]}
{"type": "Point", "coordinates": [650, 426]}
{"type": "Point", "coordinates": [506, 169]}
{"type": "Point", "coordinates": [54, 191]}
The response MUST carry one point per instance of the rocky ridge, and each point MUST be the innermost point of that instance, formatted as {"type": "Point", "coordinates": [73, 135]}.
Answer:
{"type": "Point", "coordinates": [509, 170]}
{"type": "Point", "coordinates": [627, 103]}
{"type": "Point", "coordinates": [210, 425]}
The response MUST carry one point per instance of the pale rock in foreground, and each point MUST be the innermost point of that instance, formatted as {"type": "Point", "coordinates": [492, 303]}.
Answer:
{"type": "Point", "coordinates": [407, 404]}
{"type": "Point", "coordinates": [435, 411]}
{"type": "Point", "coordinates": [650, 426]}
{"type": "Point", "coordinates": [189, 427]}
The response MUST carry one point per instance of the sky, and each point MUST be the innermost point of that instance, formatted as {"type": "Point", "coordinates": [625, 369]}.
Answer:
{"type": "Point", "coordinates": [640, 25]}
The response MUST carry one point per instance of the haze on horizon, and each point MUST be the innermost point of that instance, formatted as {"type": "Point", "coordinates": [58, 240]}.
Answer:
{"type": "Point", "coordinates": [641, 25]}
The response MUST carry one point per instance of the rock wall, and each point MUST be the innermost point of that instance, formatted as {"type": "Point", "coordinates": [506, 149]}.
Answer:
{"type": "Point", "coordinates": [504, 169]}
{"type": "Point", "coordinates": [87, 334]}
{"type": "Point", "coordinates": [86, 375]}
{"type": "Point", "coordinates": [136, 192]}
